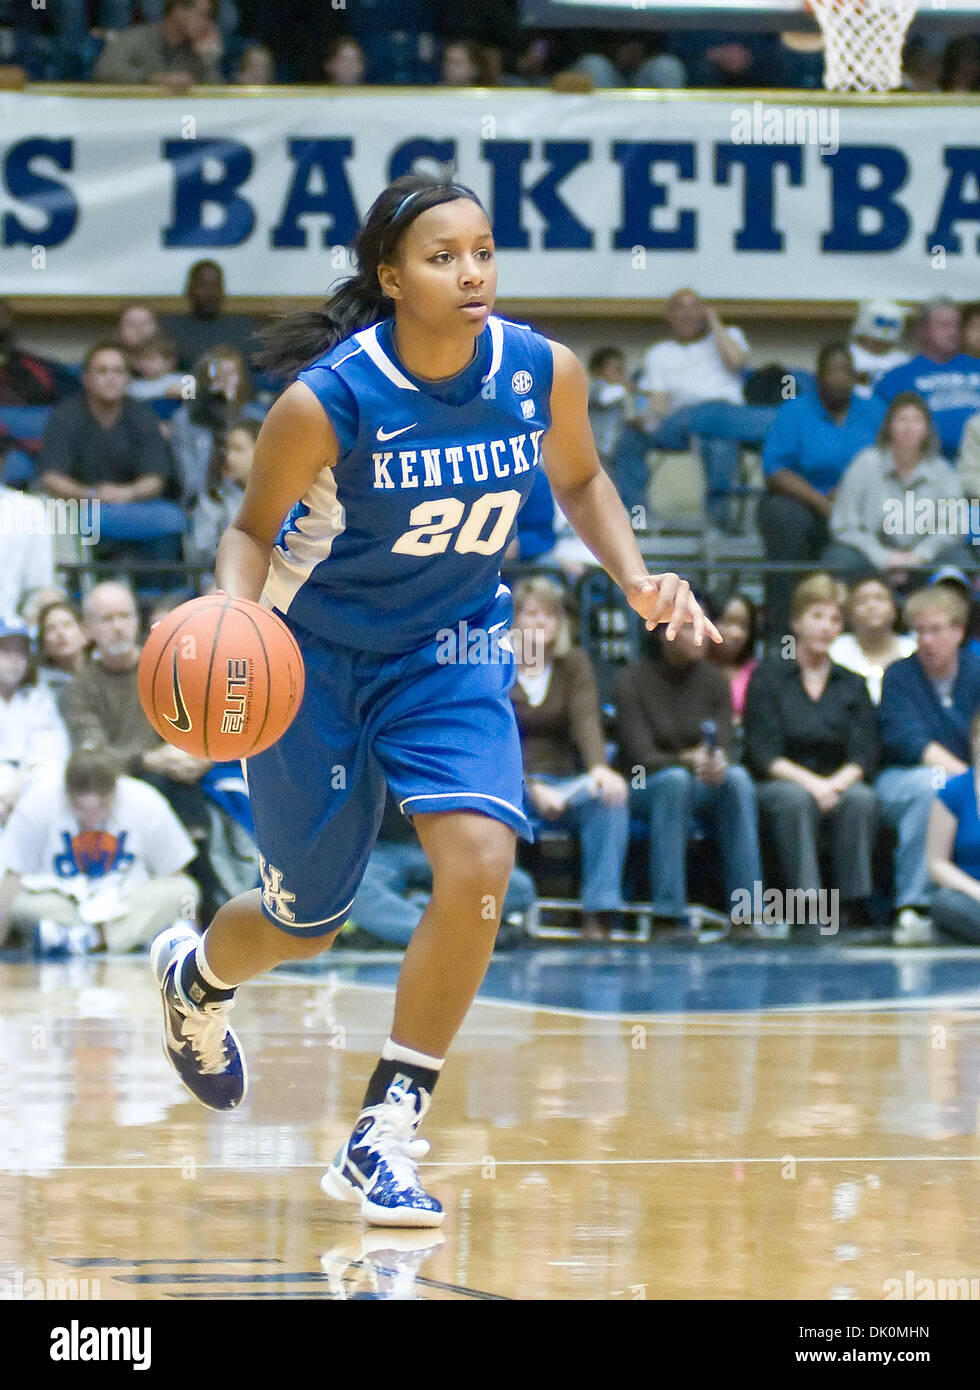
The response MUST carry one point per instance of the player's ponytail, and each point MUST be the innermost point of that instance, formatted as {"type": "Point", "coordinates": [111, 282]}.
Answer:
{"type": "Point", "coordinates": [359, 301]}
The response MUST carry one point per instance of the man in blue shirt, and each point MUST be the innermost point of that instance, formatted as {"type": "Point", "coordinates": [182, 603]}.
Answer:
{"type": "Point", "coordinates": [927, 702]}
{"type": "Point", "coordinates": [812, 440]}
{"type": "Point", "coordinates": [947, 379]}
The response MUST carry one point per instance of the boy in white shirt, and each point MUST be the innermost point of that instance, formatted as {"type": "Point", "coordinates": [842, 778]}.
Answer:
{"type": "Point", "coordinates": [92, 861]}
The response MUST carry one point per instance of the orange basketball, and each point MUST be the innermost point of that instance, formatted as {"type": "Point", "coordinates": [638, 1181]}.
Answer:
{"type": "Point", "coordinates": [221, 678]}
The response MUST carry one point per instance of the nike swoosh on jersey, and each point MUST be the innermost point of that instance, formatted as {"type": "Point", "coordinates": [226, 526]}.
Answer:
{"type": "Point", "coordinates": [382, 435]}
{"type": "Point", "coordinates": [180, 719]}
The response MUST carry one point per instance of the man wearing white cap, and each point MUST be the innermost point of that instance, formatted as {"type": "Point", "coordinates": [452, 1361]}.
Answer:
{"type": "Point", "coordinates": [877, 331]}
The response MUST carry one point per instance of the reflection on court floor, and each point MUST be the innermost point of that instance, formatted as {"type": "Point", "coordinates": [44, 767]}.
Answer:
{"type": "Point", "coordinates": [612, 1123]}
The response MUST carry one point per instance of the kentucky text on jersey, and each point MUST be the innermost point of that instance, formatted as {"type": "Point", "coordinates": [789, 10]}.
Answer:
{"type": "Point", "coordinates": [504, 456]}
{"type": "Point", "coordinates": [403, 537]}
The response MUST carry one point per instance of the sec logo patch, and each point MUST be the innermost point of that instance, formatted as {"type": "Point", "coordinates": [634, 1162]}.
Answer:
{"type": "Point", "coordinates": [521, 382]}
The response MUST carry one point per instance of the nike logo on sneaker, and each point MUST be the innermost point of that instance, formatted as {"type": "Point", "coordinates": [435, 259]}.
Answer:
{"type": "Point", "coordinates": [390, 434]}
{"type": "Point", "coordinates": [180, 719]}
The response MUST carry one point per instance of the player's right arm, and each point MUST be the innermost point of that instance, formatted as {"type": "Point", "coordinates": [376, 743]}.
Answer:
{"type": "Point", "coordinates": [295, 443]}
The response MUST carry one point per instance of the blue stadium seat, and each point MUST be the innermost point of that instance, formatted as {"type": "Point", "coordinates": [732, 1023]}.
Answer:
{"type": "Point", "coordinates": [25, 424]}
{"type": "Point", "coordinates": [163, 407]}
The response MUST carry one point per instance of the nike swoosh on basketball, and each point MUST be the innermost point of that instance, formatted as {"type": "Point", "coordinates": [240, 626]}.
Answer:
{"type": "Point", "coordinates": [383, 435]}
{"type": "Point", "coordinates": [180, 720]}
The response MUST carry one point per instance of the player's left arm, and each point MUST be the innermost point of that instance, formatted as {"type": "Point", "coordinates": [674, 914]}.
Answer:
{"type": "Point", "coordinates": [587, 496]}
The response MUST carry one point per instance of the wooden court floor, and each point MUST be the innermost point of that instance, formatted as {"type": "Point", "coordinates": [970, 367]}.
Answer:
{"type": "Point", "coordinates": [759, 1155]}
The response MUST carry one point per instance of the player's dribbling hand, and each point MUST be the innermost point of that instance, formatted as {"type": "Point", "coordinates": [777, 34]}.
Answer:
{"type": "Point", "coordinates": [666, 598]}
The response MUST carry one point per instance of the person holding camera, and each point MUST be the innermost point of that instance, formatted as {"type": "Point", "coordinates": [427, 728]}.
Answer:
{"type": "Point", "coordinates": [223, 395]}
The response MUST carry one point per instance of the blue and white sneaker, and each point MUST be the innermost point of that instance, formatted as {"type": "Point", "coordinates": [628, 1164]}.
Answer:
{"type": "Point", "coordinates": [50, 940]}
{"type": "Point", "coordinates": [197, 1042]}
{"type": "Point", "coordinates": [377, 1168]}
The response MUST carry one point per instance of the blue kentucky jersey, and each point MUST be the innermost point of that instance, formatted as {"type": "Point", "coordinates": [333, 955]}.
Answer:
{"type": "Point", "coordinates": [404, 536]}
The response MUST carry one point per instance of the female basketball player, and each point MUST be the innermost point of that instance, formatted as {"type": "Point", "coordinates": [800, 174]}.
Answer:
{"type": "Point", "coordinates": [383, 492]}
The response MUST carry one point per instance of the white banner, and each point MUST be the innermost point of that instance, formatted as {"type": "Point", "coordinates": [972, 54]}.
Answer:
{"type": "Point", "coordinates": [610, 196]}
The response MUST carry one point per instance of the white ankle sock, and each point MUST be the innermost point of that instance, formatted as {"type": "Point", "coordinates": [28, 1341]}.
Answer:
{"type": "Point", "coordinates": [205, 971]}
{"type": "Point", "coordinates": [394, 1052]}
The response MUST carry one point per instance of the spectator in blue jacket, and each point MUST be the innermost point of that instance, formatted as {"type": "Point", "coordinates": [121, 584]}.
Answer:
{"type": "Point", "coordinates": [954, 850]}
{"type": "Point", "coordinates": [927, 702]}
{"type": "Point", "coordinates": [948, 379]}
{"type": "Point", "coordinates": [812, 440]}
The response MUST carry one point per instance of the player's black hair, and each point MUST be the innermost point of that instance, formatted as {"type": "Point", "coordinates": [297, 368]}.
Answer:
{"type": "Point", "coordinates": [358, 301]}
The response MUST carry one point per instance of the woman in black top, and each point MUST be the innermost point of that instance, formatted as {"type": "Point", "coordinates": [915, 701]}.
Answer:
{"type": "Point", "coordinates": [811, 740]}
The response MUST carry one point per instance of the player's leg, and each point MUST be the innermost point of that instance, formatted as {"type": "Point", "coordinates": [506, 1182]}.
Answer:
{"type": "Point", "coordinates": [317, 787]}
{"type": "Point", "coordinates": [447, 742]}
{"type": "Point", "coordinates": [471, 857]}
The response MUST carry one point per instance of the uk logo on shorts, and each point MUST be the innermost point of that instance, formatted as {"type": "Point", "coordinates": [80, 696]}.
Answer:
{"type": "Point", "coordinates": [275, 897]}
{"type": "Point", "coordinates": [522, 382]}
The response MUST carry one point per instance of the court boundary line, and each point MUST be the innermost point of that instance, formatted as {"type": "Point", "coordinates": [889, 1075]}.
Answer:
{"type": "Point", "coordinates": [463, 1164]}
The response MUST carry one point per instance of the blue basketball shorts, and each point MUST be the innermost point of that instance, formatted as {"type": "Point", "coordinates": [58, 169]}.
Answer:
{"type": "Point", "coordinates": [436, 724]}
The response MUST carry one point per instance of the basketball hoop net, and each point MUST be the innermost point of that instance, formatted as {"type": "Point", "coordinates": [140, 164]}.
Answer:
{"type": "Point", "coordinates": [863, 41]}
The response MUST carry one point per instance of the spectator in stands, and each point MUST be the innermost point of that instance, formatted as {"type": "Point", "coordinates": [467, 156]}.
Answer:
{"type": "Point", "coordinates": [343, 62]}
{"type": "Point", "coordinates": [921, 65]}
{"type": "Point", "coordinates": [731, 59]}
{"type": "Point", "coordinates": [953, 850]}
{"type": "Point", "coordinates": [32, 736]}
{"type": "Point", "coordinates": [397, 884]}
{"type": "Point", "coordinates": [256, 67]}
{"type": "Point", "coordinates": [674, 724]}
{"type": "Point", "coordinates": [155, 374]}
{"type": "Point", "coordinates": [694, 387]}
{"type": "Point", "coordinates": [62, 646]}
{"type": "Point", "coordinates": [610, 402]}
{"type": "Point", "coordinates": [206, 326]}
{"type": "Point", "coordinates": [813, 439]}
{"type": "Point", "coordinates": [960, 70]}
{"type": "Point", "coordinates": [91, 861]}
{"type": "Point", "coordinates": [631, 64]}
{"type": "Point", "coordinates": [103, 711]}
{"type": "Point", "coordinates": [880, 522]}
{"type": "Point", "coordinates": [737, 619]}
{"type": "Point", "coordinates": [927, 703]}
{"type": "Point", "coordinates": [137, 325]}
{"type": "Point", "coordinates": [34, 600]}
{"type": "Point", "coordinates": [27, 548]}
{"type": "Point", "coordinates": [465, 64]}
{"type": "Point", "coordinates": [222, 396]}
{"type": "Point", "coordinates": [183, 50]}
{"type": "Point", "coordinates": [219, 503]}
{"type": "Point", "coordinates": [877, 331]}
{"type": "Point", "coordinates": [943, 375]}
{"type": "Point", "coordinates": [568, 777]}
{"type": "Point", "coordinates": [24, 378]}
{"type": "Point", "coordinates": [970, 329]}
{"type": "Point", "coordinates": [872, 643]}
{"type": "Point", "coordinates": [101, 445]}
{"type": "Point", "coordinates": [811, 742]}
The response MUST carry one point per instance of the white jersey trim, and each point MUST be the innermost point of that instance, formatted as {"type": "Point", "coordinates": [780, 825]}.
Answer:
{"type": "Point", "coordinates": [368, 339]}
{"type": "Point", "coordinates": [446, 796]}
{"type": "Point", "coordinates": [497, 339]}
{"type": "Point", "coordinates": [305, 544]}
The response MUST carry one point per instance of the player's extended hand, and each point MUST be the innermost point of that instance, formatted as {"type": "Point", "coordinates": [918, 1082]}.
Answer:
{"type": "Point", "coordinates": [666, 598]}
